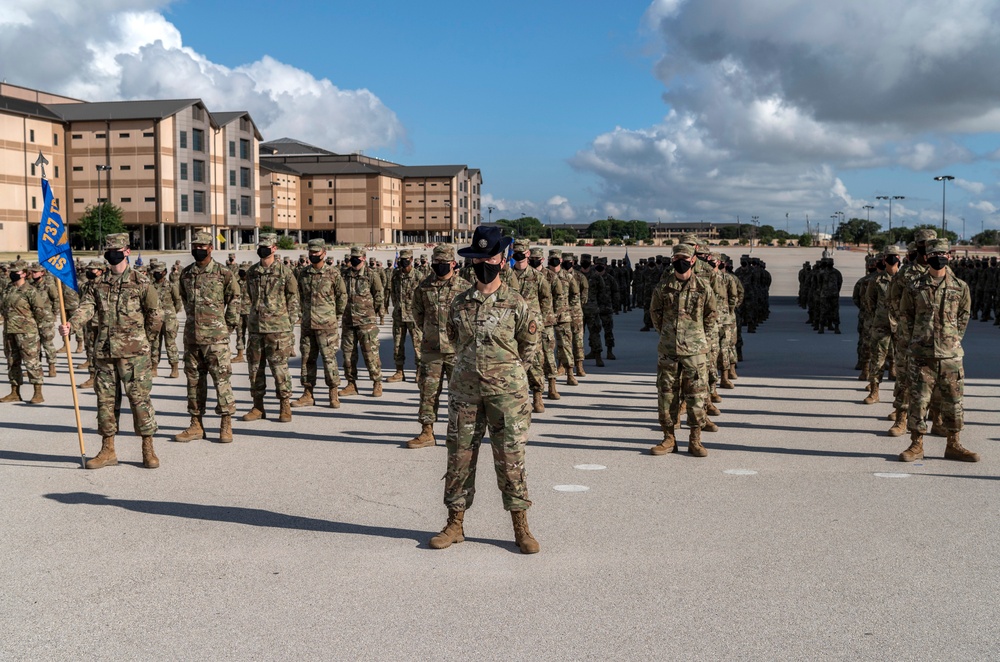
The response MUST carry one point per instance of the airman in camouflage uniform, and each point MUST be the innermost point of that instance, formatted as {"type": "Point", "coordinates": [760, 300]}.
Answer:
{"type": "Point", "coordinates": [915, 267]}
{"type": "Point", "coordinates": [24, 309]}
{"type": "Point", "coordinates": [730, 331]}
{"type": "Point", "coordinates": [324, 299]}
{"type": "Point", "coordinates": [576, 306]}
{"type": "Point", "coordinates": [550, 367]}
{"type": "Point", "coordinates": [431, 309]}
{"type": "Point", "coordinates": [405, 280]}
{"type": "Point", "coordinates": [39, 279]}
{"type": "Point", "coordinates": [91, 276]}
{"type": "Point", "coordinates": [933, 315]}
{"type": "Point", "coordinates": [598, 299]}
{"type": "Point", "coordinates": [364, 297]}
{"type": "Point", "coordinates": [128, 313]}
{"type": "Point", "coordinates": [210, 294]}
{"type": "Point", "coordinates": [495, 335]}
{"type": "Point", "coordinates": [563, 288]}
{"type": "Point", "coordinates": [881, 324]}
{"type": "Point", "coordinates": [875, 266]}
{"type": "Point", "coordinates": [274, 306]}
{"type": "Point", "coordinates": [170, 304]}
{"type": "Point", "coordinates": [244, 310]}
{"type": "Point", "coordinates": [535, 290]}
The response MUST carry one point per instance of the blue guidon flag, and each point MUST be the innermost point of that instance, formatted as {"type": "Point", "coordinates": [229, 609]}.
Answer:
{"type": "Point", "coordinates": [54, 252]}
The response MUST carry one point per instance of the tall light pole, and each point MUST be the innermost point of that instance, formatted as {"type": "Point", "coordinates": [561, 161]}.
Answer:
{"type": "Point", "coordinates": [944, 179]}
{"type": "Point", "coordinates": [489, 218]}
{"type": "Point", "coordinates": [371, 234]}
{"type": "Point", "coordinates": [754, 220]}
{"type": "Point", "coordinates": [447, 204]}
{"type": "Point", "coordinates": [890, 198]}
{"type": "Point", "coordinates": [100, 206]}
{"type": "Point", "coordinates": [868, 209]}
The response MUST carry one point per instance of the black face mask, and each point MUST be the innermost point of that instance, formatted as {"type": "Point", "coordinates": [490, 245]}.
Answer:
{"type": "Point", "coordinates": [114, 257]}
{"type": "Point", "coordinates": [91, 275]}
{"type": "Point", "coordinates": [355, 261]}
{"type": "Point", "coordinates": [599, 268]}
{"type": "Point", "coordinates": [403, 263]}
{"type": "Point", "coordinates": [518, 256]}
{"type": "Point", "coordinates": [880, 266]}
{"type": "Point", "coordinates": [567, 265]}
{"type": "Point", "coordinates": [159, 275]}
{"type": "Point", "coordinates": [585, 264]}
{"type": "Point", "coordinates": [486, 273]}
{"type": "Point", "coordinates": [442, 269]}
{"type": "Point", "coordinates": [554, 262]}
{"type": "Point", "coordinates": [263, 252]}
{"type": "Point", "coordinates": [937, 261]}
{"type": "Point", "coordinates": [921, 250]}
{"type": "Point", "coordinates": [329, 260]}
{"type": "Point", "coordinates": [315, 259]}
{"type": "Point", "coordinates": [15, 277]}
{"type": "Point", "coordinates": [200, 254]}
{"type": "Point", "coordinates": [243, 273]}
{"type": "Point", "coordinates": [682, 266]}
{"type": "Point", "coordinates": [891, 260]}
{"type": "Point", "coordinates": [535, 262]}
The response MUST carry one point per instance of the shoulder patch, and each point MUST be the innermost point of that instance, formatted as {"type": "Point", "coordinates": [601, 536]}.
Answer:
{"type": "Point", "coordinates": [532, 327]}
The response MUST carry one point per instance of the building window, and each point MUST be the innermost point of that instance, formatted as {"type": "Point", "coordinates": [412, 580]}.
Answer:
{"type": "Point", "coordinates": [55, 139]}
{"type": "Point", "coordinates": [199, 202]}
{"type": "Point", "coordinates": [244, 124]}
{"type": "Point", "coordinates": [77, 168]}
{"type": "Point", "coordinates": [245, 205]}
{"type": "Point", "coordinates": [309, 184]}
{"type": "Point", "coordinates": [32, 169]}
{"type": "Point", "coordinates": [184, 171]}
{"type": "Point", "coordinates": [308, 202]}
{"type": "Point", "coordinates": [198, 171]}
{"type": "Point", "coordinates": [149, 167]}
{"type": "Point", "coordinates": [183, 140]}
{"type": "Point", "coordinates": [126, 199]}
{"type": "Point", "coordinates": [31, 135]}
{"type": "Point", "coordinates": [310, 218]}
{"type": "Point", "coordinates": [150, 199]}
{"type": "Point", "coordinates": [123, 135]}
{"type": "Point", "coordinates": [198, 140]}
{"type": "Point", "coordinates": [148, 134]}
{"type": "Point", "coordinates": [56, 168]}
{"type": "Point", "coordinates": [329, 201]}
{"type": "Point", "coordinates": [126, 167]}
{"type": "Point", "coordinates": [245, 177]}
{"type": "Point", "coordinates": [34, 202]}
{"type": "Point", "coordinates": [330, 219]}
{"type": "Point", "coordinates": [77, 136]}
{"type": "Point", "coordinates": [232, 178]}
{"type": "Point", "coordinates": [78, 201]}
{"type": "Point", "coordinates": [329, 183]}
{"type": "Point", "coordinates": [101, 136]}
{"type": "Point", "coordinates": [184, 202]}
{"type": "Point", "coordinates": [232, 204]}
{"type": "Point", "coordinates": [245, 149]}
{"type": "Point", "coordinates": [232, 148]}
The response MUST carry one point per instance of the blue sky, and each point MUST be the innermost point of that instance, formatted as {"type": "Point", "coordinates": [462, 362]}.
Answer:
{"type": "Point", "coordinates": [660, 109]}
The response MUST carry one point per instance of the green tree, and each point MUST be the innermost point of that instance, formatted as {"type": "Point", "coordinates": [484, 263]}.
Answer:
{"type": "Point", "coordinates": [880, 241]}
{"type": "Point", "coordinates": [286, 242]}
{"type": "Point", "coordinates": [986, 238]}
{"type": "Point", "coordinates": [805, 240]}
{"type": "Point", "coordinates": [105, 218]}
{"type": "Point", "coordinates": [950, 236]}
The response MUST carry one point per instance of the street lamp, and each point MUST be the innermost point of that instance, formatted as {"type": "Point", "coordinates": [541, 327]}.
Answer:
{"type": "Point", "coordinates": [447, 204]}
{"type": "Point", "coordinates": [944, 179]}
{"type": "Point", "coordinates": [868, 209]}
{"type": "Point", "coordinates": [100, 221]}
{"type": "Point", "coordinates": [371, 234]}
{"type": "Point", "coordinates": [754, 220]}
{"type": "Point", "coordinates": [890, 198]}
{"type": "Point", "coordinates": [489, 218]}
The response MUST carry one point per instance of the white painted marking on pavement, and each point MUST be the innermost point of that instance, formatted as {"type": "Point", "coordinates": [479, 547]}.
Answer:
{"type": "Point", "coordinates": [571, 488]}
{"type": "Point", "coordinates": [892, 475]}
{"type": "Point", "coordinates": [590, 467]}
{"type": "Point", "coordinates": [740, 472]}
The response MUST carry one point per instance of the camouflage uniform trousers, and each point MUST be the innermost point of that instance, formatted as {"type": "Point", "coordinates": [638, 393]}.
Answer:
{"type": "Point", "coordinates": [167, 336]}
{"type": "Point", "coordinates": [433, 370]}
{"type": "Point", "coordinates": [936, 384]}
{"type": "Point", "coordinates": [901, 389]}
{"type": "Point", "coordinates": [535, 371]}
{"type": "Point", "coordinates": [241, 332]}
{"type": "Point", "coordinates": [90, 347]}
{"type": "Point", "coordinates": [200, 361]}
{"type": "Point", "coordinates": [399, 332]}
{"type": "Point", "coordinates": [508, 417]}
{"type": "Point", "coordinates": [592, 320]}
{"type": "Point", "coordinates": [576, 326]}
{"type": "Point", "coordinates": [135, 376]}
{"type": "Point", "coordinates": [21, 350]}
{"type": "Point", "coordinates": [712, 360]}
{"type": "Point", "coordinates": [367, 337]}
{"type": "Point", "coordinates": [564, 344]}
{"type": "Point", "coordinates": [47, 334]}
{"type": "Point", "coordinates": [677, 378]}
{"type": "Point", "coordinates": [548, 353]}
{"type": "Point", "coordinates": [830, 310]}
{"type": "Point", "coordinates": [274, 348]}
{"type": "Point", "coordinates": [316, 344]}
{"type": "Point", "coordinates": [880, 349]}
{"type": "Point", "coordinates": [727, 347]}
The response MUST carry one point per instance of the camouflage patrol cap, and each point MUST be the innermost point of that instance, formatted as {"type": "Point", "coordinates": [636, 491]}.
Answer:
{"type": "Point", "coordinates": [34, 266]}
{"type": "Point", "coordinates": [317, 245]}
{"type": "Point", "coordinates": [358, 251]}
{"type": "Point", "coordinates": [117, 241]}
{"type": "Point", "coordinates": [567, 256]}
{"type": "Point", "coordinates": [555, 252]}
{"type": "Point", "coordinates": [202, 238]}
{"type": "Point", "coordinates": [96, 265]}
{"type": "Point", "coordinates": [924, 234]}
{"type": "Point", "coordinates": [536, 252]}
{"type": "Point", "coordinates": [911, 247]}
{"type": "Point", "coordinates": [522, 245]}
{"type": "Point", "coordinates": [232, 255]}
{"type": "Point", "coordinates": [683, 250]}
{"type": "Point", "coordinates": [586, 256]}
{"type": "Point", "coordinates": [601, 260]}
{"type": "Point", "coordinates": [938, 246]}
{"type": "Point", "coordinates": [19, 265]}
{"type": "Point", "coordinates": [443, 253]}
{"type": "Point", "coordinates": [892, 249]}
{"type": "Point", "coordinates": [267, 239]}
{"type": "Point", "coordinates": [691, 239]}
{"type": "Point", "coordinates": [155, 265]}
{"type": "Point", "coordinates": [406, 254]}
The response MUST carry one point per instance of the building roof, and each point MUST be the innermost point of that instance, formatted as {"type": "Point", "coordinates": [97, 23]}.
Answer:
{"type": "Point", "coordinates": [29, 108]}
{"type": "Point", "coordinates": [223, 119]}
{"type": "Point", "coordinates": [427, 171]}
{"type": "Point", "coordinates": [277, 166]}
{"type": "Point", "coordinates": [121, 110]}
{"type": "Point", "coordinates": [290, 147]}
{"type": "Point", "coordinates": [335, 168]}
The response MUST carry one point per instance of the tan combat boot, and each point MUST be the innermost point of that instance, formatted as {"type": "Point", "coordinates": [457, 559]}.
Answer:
{"type": "Point", "coordinates": [899, 426]}
{"type": "Point", "coordinates": [424, 439]}
{"type": "Point", "coordinates": [872, 394]}
{"type": "Point", "coordinates": [84, 366]}
{"type": "Point", "coordinates": [37, 398]}
{"type": "Point", "coordinates": [256, 413]}
{"type": "Point", "coordinates": [334, 398]}
{"type": "Point", "coordinates": [712, 410]}
{"type": "Point", "coordinates": [553, 392]}
{"type": "Point", "coordinates": [561, 371]}
{"type": "Point", "coordinates": [173, 371]}
{"type": "Point", "coordinates": [306, 400]}
{"type": "Point", "coordinates": [239, 358]}
{"type": "Point", "coordinates": [285, 411]}
{"type": "Point", "coordinates": [714, 396]}
{"type": "Point", "coordinates": [732, 372]}
{"type": "Point", "coordinates": [864, 376]}
{"type": "Point", "coordinates": [397, 376]}
{"type": "Point", "coordinates": [580, 372]}
{"type": "Point", "coordinates": [13, 396]}
{"type": "Point", "coordinates": [106, 458]}
{"type": "Point", "coordinates": [156, 371]}
{"type": "Point", "coordinates": [350, 389]}
{"type": "Point", "coordinates": [937, 427]}
{"type": "Point", "coordinates": [955, 451]}
{"type": "Point", "coordinates": [708, 425]}
{"type": "Point", "coordinates": [452, 531]}
{"type": "Point", "coordinates": [88, 384]}
{"type": "Point", "coordinates": [916, 449]}
{"type": "Point", "coordinates": [52, 370]}
{"type": "Point", "coordinates": [694, 444]}
{"type": "Point", "coordinates": [598, 361]}
{"type": "Point", "coordinates": [537, 406]}
{"type": "Point", "coordinates": [522, 534]}
{"type": "Point", "coordinates": [377, 390]}
{"type": "Point", "coordinates": [724, 381]}
{"type": "Point", "coordinates": [226, 429]}
{"type": "Point", "coordinates": [570, 378]}
{"type": "Point", "coordinates": [79, 346]}
{"type": "Point", "coordinates": [149, 459]}
{"type": "Point", "coordinates": [194, 431]}
{"type": "Point", "coordinates": [611, 354]}
{"type": "Point", "coordinates": [892, 372]}
{"type": "Point", "coordinates": [668, 445]}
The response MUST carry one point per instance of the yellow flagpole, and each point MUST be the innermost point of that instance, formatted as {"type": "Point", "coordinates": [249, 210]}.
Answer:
{"type": "Point", "coordinates": [72, 380]}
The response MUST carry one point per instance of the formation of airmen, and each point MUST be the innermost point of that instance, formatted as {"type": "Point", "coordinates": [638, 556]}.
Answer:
{"type": "Point", "coordinates": [819, 293]}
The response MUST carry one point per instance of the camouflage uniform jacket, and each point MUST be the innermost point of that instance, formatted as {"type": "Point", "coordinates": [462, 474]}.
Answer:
{"type": "Point", "coordinates": [734, 296]}
{"type": "Point", "coordinates": [598, 293]}
{"type": "Point", "coordinates": [718, 285]}
{"type": "Point", "coordinates": [274, 298]}
{"type": "Point", "coordinates": [876, 303]}
{"type": "Point", "coordinates": [572, 289]}
{"type": "Point", "coordinates": [364, 297]}
{"type": "Point", "coordinates": [127, 310]}
{"type": "Point", "coordinates": [431, 309]}
{"type": "Point", "coordinates": [211, 299]}
{"type": "Point", "coordinates": [401, 291]}
{"type": "Point", "coordinates": [933, 315]}
{"type": "Point", "coordinates": [560, 305]}
{"type": "Point", "coordinates": [24, 309]}
{"type": "Point", "coordinates": [584, 283]}
{"type": "Point", "coordinates": [50, 292]}
{"type": "Point", "coordinates": [496, 336]}
{"type": "Point", "coordinates": [683, 311]}
{"type": "Point", "coordinates": [324, 298]}
{"type": "Point", "coordinates": [170, 297]}
{"type": "Point", "coordinates": [536, 293]}
{"type": "Point", "coordinates": [906, 274]}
